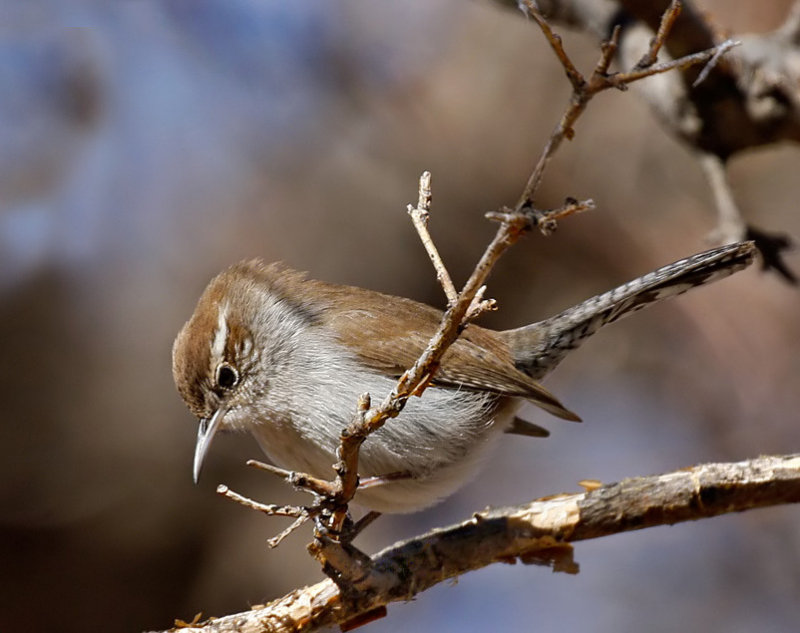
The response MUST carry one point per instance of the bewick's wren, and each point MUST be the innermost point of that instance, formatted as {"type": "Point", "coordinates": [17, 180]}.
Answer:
{"type": "Point", "coordinates": [286, 358]}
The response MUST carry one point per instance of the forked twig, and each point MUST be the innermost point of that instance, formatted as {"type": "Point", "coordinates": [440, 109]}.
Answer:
{"type": "Point", "coordinates": [583, 90]}
{"type": "Point", "coordinates": [712, 56]}
{"type": "Point", "coordinates": [420, 215]}
{"type": "Point", "coordinates": [667, 22]}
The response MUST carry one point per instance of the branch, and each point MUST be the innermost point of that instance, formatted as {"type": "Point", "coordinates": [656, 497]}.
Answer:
{"type": "Point", "coordinates": [539, 532]}
{"type": "Point", "coordinates": [583, 89]}
{"type": "Point", "coordinates": [751, 100]}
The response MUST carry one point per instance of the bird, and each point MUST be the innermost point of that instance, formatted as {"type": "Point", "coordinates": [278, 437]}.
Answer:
{"type": "Point", "coordinates": [284, 357]}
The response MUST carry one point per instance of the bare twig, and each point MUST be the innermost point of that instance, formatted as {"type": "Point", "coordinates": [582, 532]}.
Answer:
{"type": "Point", "coordinates": [564, 129]}
{"type": "Point", "coordinates": [537, 532]}
{"type": "Point", "coordinates": [420, 215]}
{"type": "Point", "coordinates": [583, 90]}
{"type": "Point", "coordinates": [545, 221]}
{"type": "Point", "coordinates": [664, 28]}
{"type": "Point", "coordinates": [720, 51]}
{"type": "Point", "coordinates": [480, 305]}
{"type": "Point", "coordinates": [347, 467]}
{"type": "Point", "coordinates": [267, 508]}
{"type": "Point", "coordinates": [711, 55]}
{"type": "Point", "coordinates": [302, 481]}
{"type": "Point", "coordinates": [573, 74]}
{"type": "Point", "coordinates": [277, 539]}
{"type": "Point", "coordinates": [750, 101]}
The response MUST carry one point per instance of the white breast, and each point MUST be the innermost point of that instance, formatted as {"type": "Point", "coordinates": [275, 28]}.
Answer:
{"type": "Point", "coordinates": [439, 438]}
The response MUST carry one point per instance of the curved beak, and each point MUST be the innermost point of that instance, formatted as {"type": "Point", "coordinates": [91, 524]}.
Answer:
{"type": "Point", "coordinates": [205, 433]}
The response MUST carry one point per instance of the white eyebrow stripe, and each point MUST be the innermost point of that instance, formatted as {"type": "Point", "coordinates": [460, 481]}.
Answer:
{"type": "Point", "coordinates": [220, 336]}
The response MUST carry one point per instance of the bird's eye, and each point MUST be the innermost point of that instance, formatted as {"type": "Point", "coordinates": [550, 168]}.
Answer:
{"type": "Point", "coordinates": [227, 376]}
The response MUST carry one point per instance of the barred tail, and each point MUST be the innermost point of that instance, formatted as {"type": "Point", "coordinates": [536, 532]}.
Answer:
{"type": "Point", "coordinates": [539, 347]}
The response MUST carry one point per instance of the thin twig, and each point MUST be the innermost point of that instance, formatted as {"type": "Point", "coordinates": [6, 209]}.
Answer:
{"type": "Point", "coordinates": [337, 494]}
{"type": "Point", "coordinates": [420, 215]}
{"type": "Point", "coordinates": [299, 480]}
{"type": "Point", "coordinates": [711, 55]}
{"type": "Point", "coordinates": [607, 51]}
{"type": "Point", "coordinates": [664, 28]}
{"type": "Point", "coordinates": [480, 305]}
{"type": "Point", "coordinates": [573, 74]}
{"type": "Point", "coordinates": [270, 468]}
{"type": "Point", "coordinates": [583, 90]}
{"type": "Point", "coordinates": [347, 465]}
{"type": "Point", "coordinates": [366, 520]}
{"type": "Point", "coordinates": [721, 50]}
{"type": "Point", "coordinates": [464, 304]}
{"type": "Point", "coordinates": [369, 419]}
{"type": "Point", "coordinates": [276, 540]}
{"type": "Point", "coordinates": [267, 508]}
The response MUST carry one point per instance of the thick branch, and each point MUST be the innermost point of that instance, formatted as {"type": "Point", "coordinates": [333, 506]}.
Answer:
{"type": "Point", "coordinates": [537, 532]}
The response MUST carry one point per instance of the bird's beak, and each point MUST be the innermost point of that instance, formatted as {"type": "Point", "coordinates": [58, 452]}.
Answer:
{"type": "Point", "coordinates": [205, 433]}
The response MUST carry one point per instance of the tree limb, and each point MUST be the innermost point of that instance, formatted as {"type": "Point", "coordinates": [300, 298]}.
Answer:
{"type": "Point", "coordinates": [538, 532]}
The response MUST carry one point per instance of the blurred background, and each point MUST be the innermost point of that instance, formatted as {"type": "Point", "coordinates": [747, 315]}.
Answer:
{"type": "Point", "coordinates": [148, 146]}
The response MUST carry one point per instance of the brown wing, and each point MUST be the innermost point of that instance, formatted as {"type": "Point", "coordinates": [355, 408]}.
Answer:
{"type": "Point", "coordinates": [392, 334]}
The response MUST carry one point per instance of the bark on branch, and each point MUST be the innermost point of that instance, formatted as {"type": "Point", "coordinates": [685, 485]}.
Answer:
{"type": "Point", "coordinates": [538, 532]}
